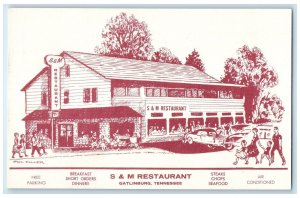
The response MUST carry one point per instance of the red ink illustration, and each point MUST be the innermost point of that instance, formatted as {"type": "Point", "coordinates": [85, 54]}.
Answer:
{"type": "Point", "coordinates": [128, 96]}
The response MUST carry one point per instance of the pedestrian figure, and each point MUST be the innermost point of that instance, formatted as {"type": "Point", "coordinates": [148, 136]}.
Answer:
{"type": "Point", "coordinates": [242, 153]}
{"type": "Point", "coordinates": [277, 145]}
{"type": "Point", "coordinates": [35, 145]}
{"type": "Point", "coordinates": [252, 148]}
{"type": "Point", "coordinates": [42, 142]}
{"type": "Point", "coordinates": [23, 145]}
{"type": "Point", "coordinates": [266, 152]}
{"type": "Point", "coordinates": [16, 146]}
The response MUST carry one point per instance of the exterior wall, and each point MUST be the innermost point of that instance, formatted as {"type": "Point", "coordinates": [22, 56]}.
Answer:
{"type": "Point", "coordinates": [34, 94]}
{"type": "Point", "coordinates": [82, 77]}
{"type": "Point", "coordinates": [104, 128]}
{"type": "Point", "coordinates": [205, 105]}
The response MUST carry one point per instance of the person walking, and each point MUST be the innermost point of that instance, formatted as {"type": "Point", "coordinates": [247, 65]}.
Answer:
{"type": "Point", "coordinates": [35, 144]}
{"type": "Point", "coordinates": [16, 146]}
{"type": "Point", "coordinates": [23, 144]}
{"type": "Point", "coordinates": [252, 148]}
{"type": "Point", "coordinates": [277, 145]}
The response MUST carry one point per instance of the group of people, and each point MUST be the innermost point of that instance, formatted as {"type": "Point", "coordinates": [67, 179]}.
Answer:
{"type": "Point", "coordinates": [115, 142]}
{"type": "Point", "coordinates": [251, 151]}
{"type": "Point", "coordinates": [37, 143]}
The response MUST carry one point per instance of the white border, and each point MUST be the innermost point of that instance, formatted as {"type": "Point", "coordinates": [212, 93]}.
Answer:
{"type": "Point", "coordinates": [65, 3]}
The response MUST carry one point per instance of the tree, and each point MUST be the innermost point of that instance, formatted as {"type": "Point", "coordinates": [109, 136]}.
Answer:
{"type": "Point", "coordinates": [270, 107]}
{"type": "Point", "coordinates": [165, 55]}
{"type": "Point", "coordinates": [194, 60]}
{"type": "Point", "coordinates": [125, 36]}
{"type": "Point", "coordinates": [250, 69]}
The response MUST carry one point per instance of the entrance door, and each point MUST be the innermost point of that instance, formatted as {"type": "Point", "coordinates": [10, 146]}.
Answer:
{"type": "Point", "coordinates": [65, 135]}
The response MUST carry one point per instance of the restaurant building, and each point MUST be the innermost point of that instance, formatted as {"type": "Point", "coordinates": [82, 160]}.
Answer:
{"type": "Point", "coordinates": [78, 94]}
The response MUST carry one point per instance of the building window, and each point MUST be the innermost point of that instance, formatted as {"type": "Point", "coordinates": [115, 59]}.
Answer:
{"type": "Point", "coordinates": [119, 91]}
{"type": "Point", "coordinates": [177, 114]}
{"type": "Point", "coordinates": [212, 122]}
{"type": "Point", "coordinates": [226, 120]}
{"type": "Point", "coordinates": [177, 125]}
{"type": "Point", "coordinates": [149, 92]}
{"type": "Point", "coordinates": [226, 94]}
{"type": "Point", "coordinates": [211, 114]}
{"type": "Point", "coordinates": [44, 98]}
{"type": "Point", "coordinates": [66, 96]}
{"type": "Point", "coordinates": [90, 95]}
{"type": "Point", "coordinates": [67, 70]}
{"type": "Point", "coordinates": [176, 93]}
{"type": "Point", "coordinates": [94, 94]}
{"type": "Point", "coordinates": [157, 114]}
{"type": "Point", "coordinates": [210, 93]}
{"type": "Point", "coordinates": [163, 93]}
{"type": "Point", "coordinates": [197, 114]}
{"type": "Point", "coordinates": [133, 91]}
{"type": "Point", "coordinates": [126, 91]}
{"type": "Point", "coordinates": [200, 93]}
{"type": "Point", "coordinates": [239, 120]}
{"type": "Point", "coordinates": [237, 94]}
{"type": "Point", "coordinates": [157, 127]}
{"type": "Point", "coordinates": [195, 123]}
{"type": "Point", "coordinates": [86, 95]}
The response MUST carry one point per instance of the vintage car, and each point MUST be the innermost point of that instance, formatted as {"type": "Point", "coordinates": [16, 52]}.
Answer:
{"type": "Point", "coordinates": [235, 139]}
{"type": "Point", "coordinates": [207, 136]}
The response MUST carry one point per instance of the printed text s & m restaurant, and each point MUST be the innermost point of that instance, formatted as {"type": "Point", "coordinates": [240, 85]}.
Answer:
{"type": "Point", "coordinates": [79, 94]}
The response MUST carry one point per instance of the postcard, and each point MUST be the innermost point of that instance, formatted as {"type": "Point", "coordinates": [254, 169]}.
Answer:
{"type": "Point", "coordinates": [149, 98]}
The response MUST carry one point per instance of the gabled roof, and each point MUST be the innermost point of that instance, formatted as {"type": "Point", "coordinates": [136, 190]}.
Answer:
{"type": "Point", "coordinates": [131, 69]}
{"type": "Point", "coordinates": [34, 79]}
{"type": "Point", "coordinates": [86, 113]}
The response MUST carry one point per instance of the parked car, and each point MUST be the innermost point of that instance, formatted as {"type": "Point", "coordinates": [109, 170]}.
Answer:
{"type": "Point", "coordinates": [235, 139]}
{"type": "Point", "coordinates": [207, 136]}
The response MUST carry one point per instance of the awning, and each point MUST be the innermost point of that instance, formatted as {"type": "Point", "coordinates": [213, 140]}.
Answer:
{"type": "Point", "coordinates": [86, 113]}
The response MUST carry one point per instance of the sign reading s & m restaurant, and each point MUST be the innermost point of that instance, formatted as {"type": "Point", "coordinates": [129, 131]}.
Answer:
{"type": "Point", "coordinates": [55, 62]}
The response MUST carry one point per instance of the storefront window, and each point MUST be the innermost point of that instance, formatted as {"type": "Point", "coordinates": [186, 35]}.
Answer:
{"type": "Point", "coordinates": [195, 123]}
{"type": "Point", "coordinates": [157, 127]}
{"type": "Point", "coordinates": [212, 122]}
{"type": "Point", "coordinates": [123, 129]}
{"type": "Point", "coordinates": [226, 120]}
{"type": "Point", "coordinates": [88, 129]}
{"type": "Point", "coordinates": [239, 120]}
{"type": "Point", "coordinates": [177, 125]}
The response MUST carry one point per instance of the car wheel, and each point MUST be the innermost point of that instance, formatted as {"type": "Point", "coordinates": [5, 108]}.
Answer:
{"type": "Point", "coordinates": [229, 146]}
{"type": "Point", "coordinates": [190, 140]}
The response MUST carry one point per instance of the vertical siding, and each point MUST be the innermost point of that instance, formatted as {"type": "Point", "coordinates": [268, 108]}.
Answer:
{"type": "Point", "coordinates": [34, 93]}
{"type": "Point", "coordinates": [82, 77]}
